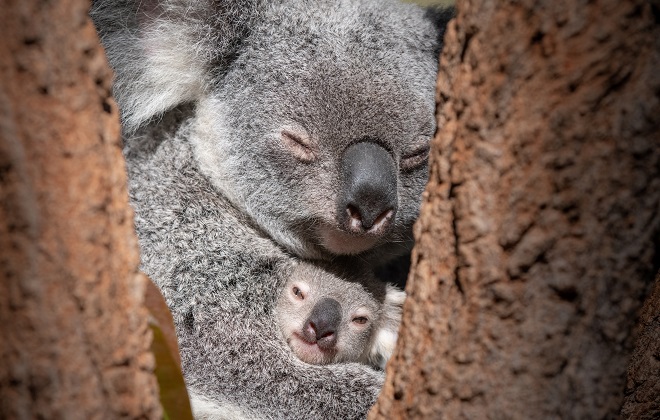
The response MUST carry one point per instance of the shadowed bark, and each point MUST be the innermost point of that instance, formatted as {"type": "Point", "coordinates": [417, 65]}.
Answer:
{"type": "Point", "coordinates": [75, 340]}
{"type": "Point", "coordinates": [643, 386]}
{"type": "Point", "coordinates": [540, 224]}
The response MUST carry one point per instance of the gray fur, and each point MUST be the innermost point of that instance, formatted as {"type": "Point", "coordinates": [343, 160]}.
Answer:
{"type": "Point", "coordinates": [221, 278]}
{"type": "Point", "coordinates": [225, 208]}
{"type": "Point", "coordinates": [370, 341]}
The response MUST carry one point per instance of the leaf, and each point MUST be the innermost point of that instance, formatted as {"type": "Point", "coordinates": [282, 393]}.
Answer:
{"type": "Point", "coordinates": [173, 393]}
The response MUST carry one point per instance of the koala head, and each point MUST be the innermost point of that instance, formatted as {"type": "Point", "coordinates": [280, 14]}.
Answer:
{"type": "Point", "coordinates": [326, 319]}
{"type": "Point", "coordinates": [312, 118]}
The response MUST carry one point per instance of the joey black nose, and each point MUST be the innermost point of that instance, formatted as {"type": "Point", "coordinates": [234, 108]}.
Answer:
{"type": "Point", "coordinates": [323, 323]}
{"type": "Point", "coordinates": [367, 200]}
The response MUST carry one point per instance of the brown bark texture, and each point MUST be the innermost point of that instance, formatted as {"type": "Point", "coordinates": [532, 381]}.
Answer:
{"type": "Point", "coordinates": [75, 339]}
{"type": "Point", "coordinates": [539, 227]}
{"type": "Point", "coordinates": [643, 387]}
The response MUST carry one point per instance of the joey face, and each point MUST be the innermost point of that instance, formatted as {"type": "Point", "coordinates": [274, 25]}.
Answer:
{"type": "Point", "coordinates": [320, 130]}
{"type": "Point", "coordinates": [327, 320]}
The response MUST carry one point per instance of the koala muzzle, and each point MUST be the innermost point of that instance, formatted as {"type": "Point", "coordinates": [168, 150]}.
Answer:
{"type": "Point", "coordinates": [322, 325]}
{"type": "Point", "coordinates": [367, 201]}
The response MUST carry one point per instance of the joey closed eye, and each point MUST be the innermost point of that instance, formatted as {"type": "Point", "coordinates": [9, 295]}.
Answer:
{"type": "Point", "coordinates": [360, 320]}
{"type": "Point", "coordinates": [299, 145]}
{"type": "Point", "coordinates": [415, 159]}
{"type": "Point", "coordinates": [298, 293]}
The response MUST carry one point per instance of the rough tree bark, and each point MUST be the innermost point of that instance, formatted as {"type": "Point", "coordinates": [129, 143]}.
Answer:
{"type": "Point", "coordinates": [75, 339]}
{"type": "Point", "coordinates": [643, 387]}
{"type": "Point", "coordinates": [540, 224]}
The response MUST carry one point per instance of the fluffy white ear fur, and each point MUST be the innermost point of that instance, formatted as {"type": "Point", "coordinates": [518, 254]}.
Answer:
{"type": "Point", "coordinates": [388, 330]}
{"type": "Point", "coordinates": [395, 297]}
{"type": "Point", "coordinates": [174, 73]}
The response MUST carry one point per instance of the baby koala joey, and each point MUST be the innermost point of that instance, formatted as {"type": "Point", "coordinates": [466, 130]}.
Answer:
{"type": "Point", "coordinates": [327, 319]}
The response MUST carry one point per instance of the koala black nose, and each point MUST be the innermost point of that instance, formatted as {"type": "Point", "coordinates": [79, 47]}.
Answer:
{"type": "Point", "coordinates": [324, 321]}
{"type": "Point", "coordinates": [367, 200]}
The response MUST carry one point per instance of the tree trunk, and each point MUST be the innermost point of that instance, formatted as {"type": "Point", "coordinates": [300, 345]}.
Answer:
{"type": "Point", "coordinates": [643, 386]}
{"type": "Point", "coordinates": [75, 339]}
{"type": "Point", "coordinates": [540, 223]}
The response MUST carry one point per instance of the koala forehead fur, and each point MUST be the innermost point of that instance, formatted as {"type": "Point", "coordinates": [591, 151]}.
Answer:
{"type": "Point", "coordinates": [274, 124]}
{"type": "Point", "coordinates": [327, 319]}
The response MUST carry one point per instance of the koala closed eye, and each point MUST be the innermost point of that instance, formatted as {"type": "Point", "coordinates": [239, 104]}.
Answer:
{"type": "Point", "coordinates": [298, 293]}
{"type": "Point", "coordinates": [299, 145]}
{"type": "Point", "coordinates": [415, 159]}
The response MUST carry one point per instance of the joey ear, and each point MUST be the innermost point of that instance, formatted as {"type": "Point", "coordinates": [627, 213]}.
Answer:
{"type": "Point", "coordinates": [382, 347]}
{"type": "Point", "coordinates": [388, 329]}
{"type": "Point", "coordinates": [440, 16]}
{"type": "Point", "coordinates": [394, 297]}
{"type": "Point", "coordinates": [165, 53]}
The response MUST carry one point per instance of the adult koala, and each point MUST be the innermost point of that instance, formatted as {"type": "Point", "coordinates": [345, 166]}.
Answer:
{"type": "Point", "coordinates": [258, 133]}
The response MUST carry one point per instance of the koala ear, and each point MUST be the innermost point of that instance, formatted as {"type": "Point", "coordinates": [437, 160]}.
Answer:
{"type": "Point", "coordinates": [394, 299]}
{"type": "Point", "coordinates": [388, 328]}
{"type": "Point", "coordinates": [440, 16]}
{"type": "Point", "coordinates": [165, 53]}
